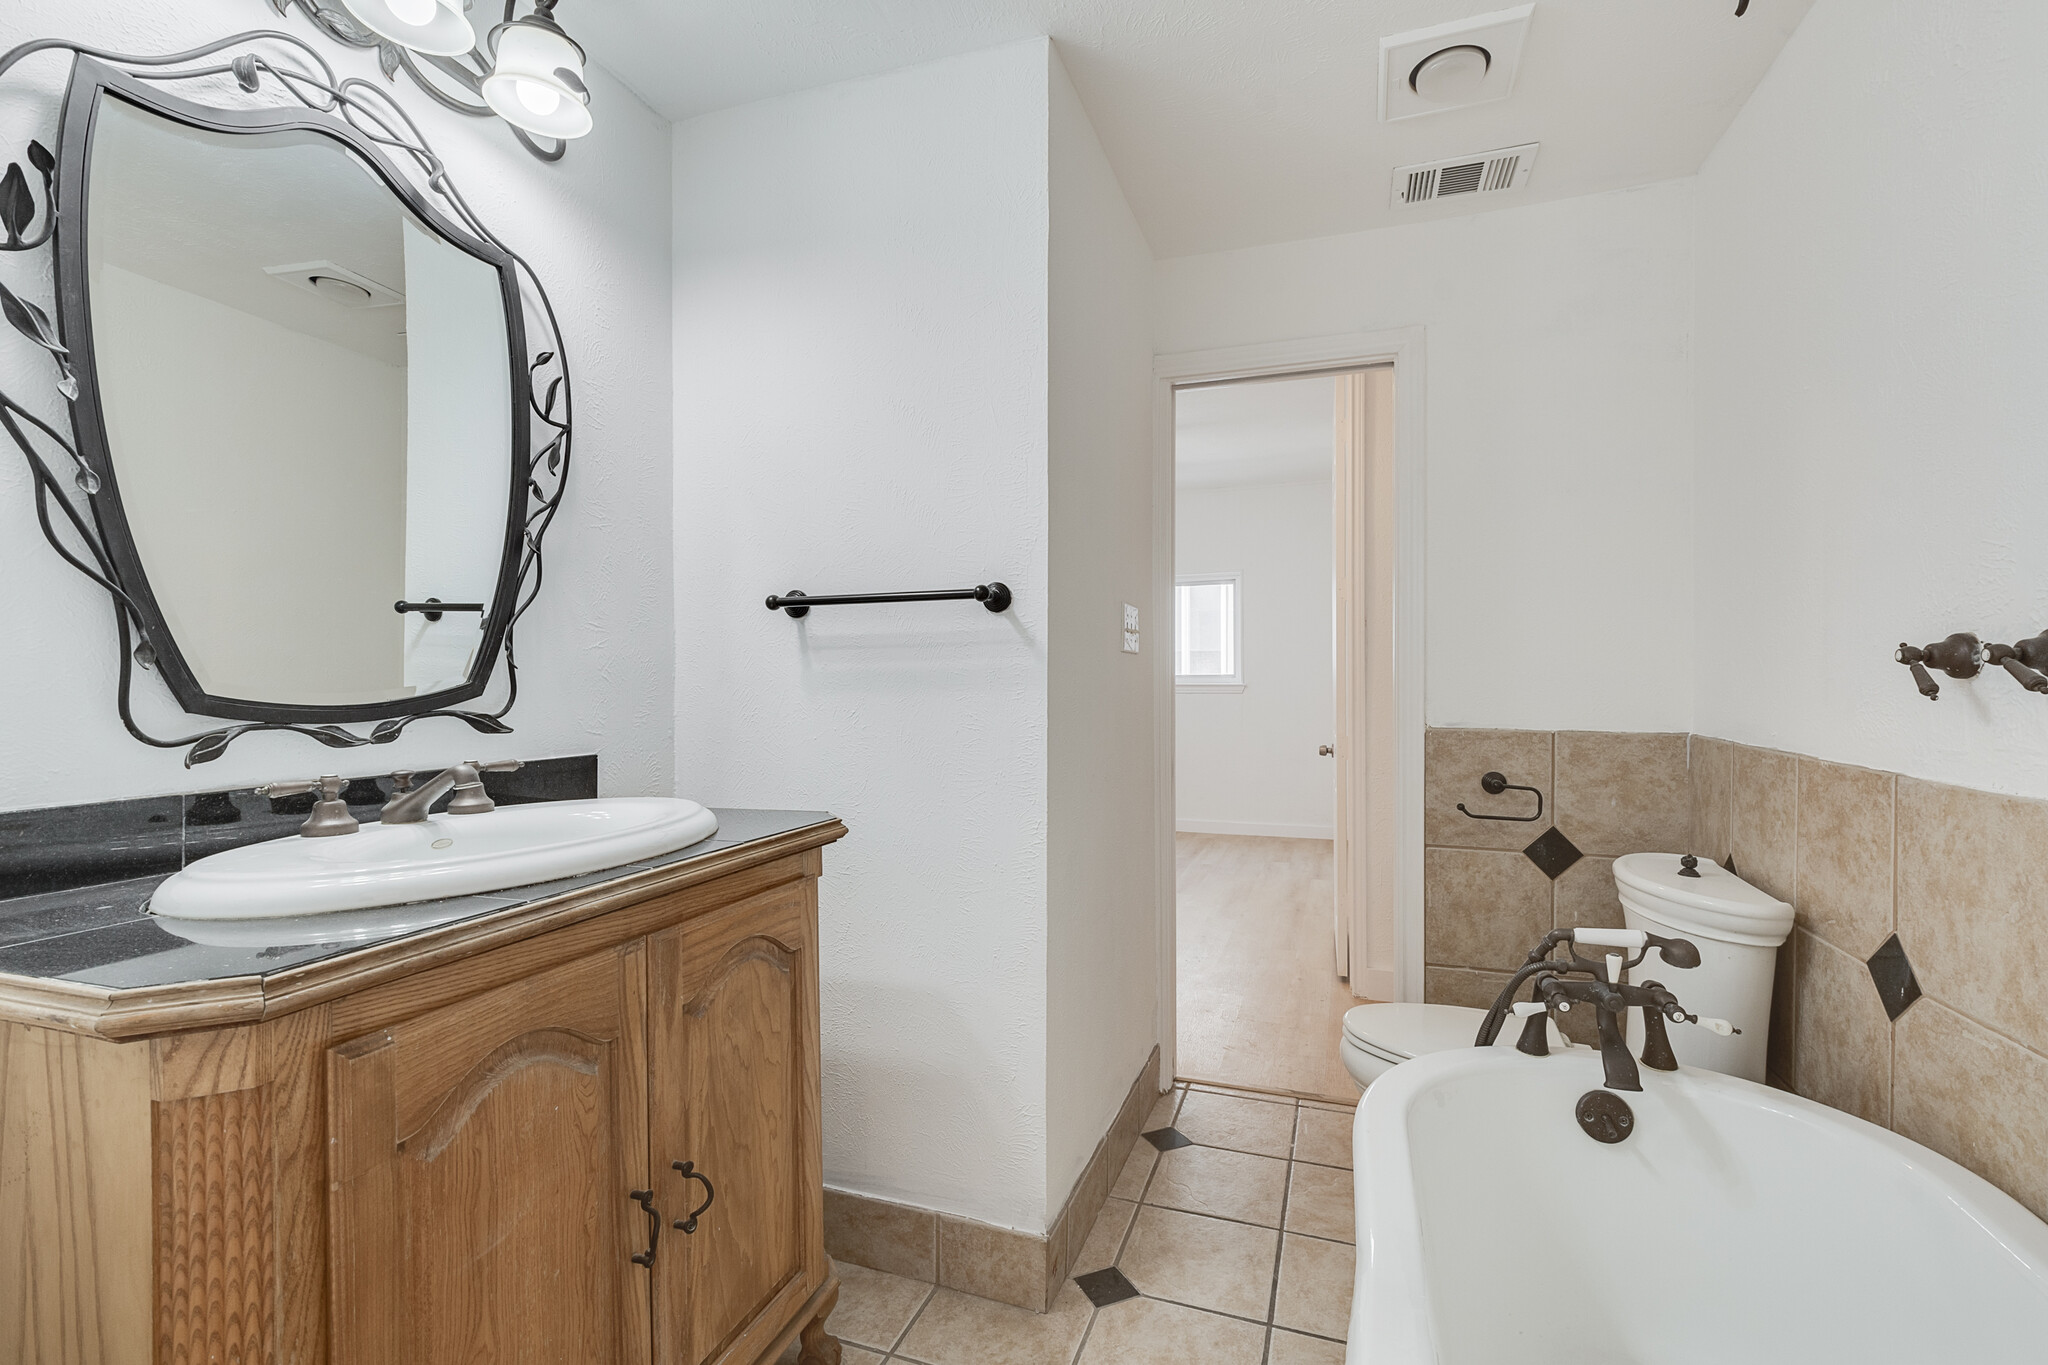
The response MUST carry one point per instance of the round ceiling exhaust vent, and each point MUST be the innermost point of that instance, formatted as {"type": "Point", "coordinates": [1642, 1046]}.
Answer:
{"type": "Point", "coordinates": [1451, 75]}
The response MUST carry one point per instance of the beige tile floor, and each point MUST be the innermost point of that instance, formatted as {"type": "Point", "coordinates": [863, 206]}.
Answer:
{"type": "Point", "coordinates": [1261, 1006]}
{"type": "Point", "coordinates": [1239, 1246]}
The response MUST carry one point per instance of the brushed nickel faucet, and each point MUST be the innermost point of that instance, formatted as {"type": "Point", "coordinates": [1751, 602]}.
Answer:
{"type": "Point", "coordinates": [330, 813]}
{"type": "Point", "coordinates": [408, 804]}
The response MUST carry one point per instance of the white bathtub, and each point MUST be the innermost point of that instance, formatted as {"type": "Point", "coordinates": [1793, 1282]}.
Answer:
{"type": "Point", "coordinates": [1738, 1226]}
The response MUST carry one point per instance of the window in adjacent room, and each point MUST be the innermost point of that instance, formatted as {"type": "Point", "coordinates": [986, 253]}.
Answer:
{"type": "Point", "coordinates": [1206, 635]}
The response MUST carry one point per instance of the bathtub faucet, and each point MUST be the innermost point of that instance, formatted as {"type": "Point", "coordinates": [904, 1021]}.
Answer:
{"type": "Point", "coordinates": [1602, 984]}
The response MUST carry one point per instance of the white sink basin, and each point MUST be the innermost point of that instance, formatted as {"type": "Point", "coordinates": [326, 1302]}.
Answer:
{"type": "Point", "coordinates": [442, 856]}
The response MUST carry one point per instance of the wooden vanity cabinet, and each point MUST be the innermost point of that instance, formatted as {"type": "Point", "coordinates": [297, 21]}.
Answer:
{"type": "Point", "coordinates": [596, 1144]}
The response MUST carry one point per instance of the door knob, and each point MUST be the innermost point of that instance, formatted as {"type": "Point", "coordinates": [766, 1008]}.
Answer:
{"type": "Point", "coordinates": [1325, 750]}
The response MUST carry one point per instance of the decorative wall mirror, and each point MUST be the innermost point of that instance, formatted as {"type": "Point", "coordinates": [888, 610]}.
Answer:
{"type": "Point", "coordinates": [312, 459]}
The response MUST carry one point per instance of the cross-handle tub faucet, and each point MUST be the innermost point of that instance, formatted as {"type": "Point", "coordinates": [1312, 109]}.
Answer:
{"type": "Point", "coordinates": [1559, 984]}
{"type": "Point", "coordinates": [330, 813]}
{"type": "Point", "coordinates": [409, 804]}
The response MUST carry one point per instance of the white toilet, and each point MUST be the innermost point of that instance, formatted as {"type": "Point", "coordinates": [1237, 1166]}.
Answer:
{"type": "Point", "coordinates": [1378, 1038]}
{"type": "Point", "coordinates": [1737, 929]}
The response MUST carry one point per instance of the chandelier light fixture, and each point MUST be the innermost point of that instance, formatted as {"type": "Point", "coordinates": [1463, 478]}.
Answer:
{"type": "Point", "coordinates": [536, 79]}
{"type": "Point", "coordinates": [432, 28]}
{"type": "Point", "coordinates": [527, 71]}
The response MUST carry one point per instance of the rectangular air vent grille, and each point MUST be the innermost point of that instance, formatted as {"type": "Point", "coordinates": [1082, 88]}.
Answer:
{"type": "Point", "coordinates": [1488, 173]}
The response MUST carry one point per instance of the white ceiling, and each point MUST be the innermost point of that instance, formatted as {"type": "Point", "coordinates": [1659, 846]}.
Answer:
{"type": "Point", "coordinates": [1234, 123]}
{"type": "Point", "coordinates": [1262, 431]}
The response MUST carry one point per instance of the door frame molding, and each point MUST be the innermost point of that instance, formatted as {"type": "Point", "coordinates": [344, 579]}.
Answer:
{"type": "Point", "coordinates": [1397, 973]}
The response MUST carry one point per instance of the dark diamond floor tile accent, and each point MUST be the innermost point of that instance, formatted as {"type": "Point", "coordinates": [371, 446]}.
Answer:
{"type": "Point", "coordinates": [1166, 1139]}
{"type": "Point", "coordinates": [1553, 853]}
{"type": "Point", "coordinates": [1105, 1287]}
{"type": "Point", "coordinates": [1897, 987]}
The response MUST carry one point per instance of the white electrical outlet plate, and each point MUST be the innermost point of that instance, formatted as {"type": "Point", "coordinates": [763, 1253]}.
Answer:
{"type": "Point", "coordinates": [1130, 642]}
{"type": "Point", "coordinates": [1130, 617]}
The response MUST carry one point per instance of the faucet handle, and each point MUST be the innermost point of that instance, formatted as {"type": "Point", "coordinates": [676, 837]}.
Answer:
{"type": "Point", "coordinates": [330, 813]}
{"type": "Point", "coordinates": [287, 788]}
{"type": "Point", "coordinates": [1720, 1026]}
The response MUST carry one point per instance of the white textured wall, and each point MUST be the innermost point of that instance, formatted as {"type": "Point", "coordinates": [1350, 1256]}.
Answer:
{"type": "Point", "coordinates": [861, 404]}
{"type": "Point", "coordinates": [596, 652]}
{"type": "Point", "coordinates": [1873, 299]}
{"type": "Point", "coordinates": [1246, 762]}
{"type": "Point", "coordinates": [1560, 431]}
{"type": "Point", "coordinates": [1102, 955]}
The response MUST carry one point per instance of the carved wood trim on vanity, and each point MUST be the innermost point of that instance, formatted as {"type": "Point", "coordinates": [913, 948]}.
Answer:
{"type": "Point", "coordinates": [176, 1166]}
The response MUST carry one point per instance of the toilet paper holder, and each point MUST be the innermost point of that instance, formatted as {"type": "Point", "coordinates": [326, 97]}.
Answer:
{"type": "Point", "coordinates": [1493, 784]}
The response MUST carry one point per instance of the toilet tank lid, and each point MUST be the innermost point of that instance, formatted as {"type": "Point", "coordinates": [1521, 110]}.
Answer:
{"type": "Point", "coordinates": [1716, 889]}
{"type": "Point", "coordinates": [1413, 1030]}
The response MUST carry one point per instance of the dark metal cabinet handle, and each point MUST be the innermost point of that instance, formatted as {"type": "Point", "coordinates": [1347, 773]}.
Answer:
{"type": "Point", "coordinates": [645, 1198]}
{"type": "Point", "coordinates": [1493, 784]}
{"type": "Point", "coordinates": [690, 1172]}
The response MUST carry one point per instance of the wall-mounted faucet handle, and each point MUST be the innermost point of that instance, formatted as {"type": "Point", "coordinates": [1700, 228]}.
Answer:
{"type": "Point", "coordinates": [1960, 656]}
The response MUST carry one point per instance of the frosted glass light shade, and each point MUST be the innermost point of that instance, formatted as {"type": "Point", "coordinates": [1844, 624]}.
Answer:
{"type": "Point", "coordinates": [536, 80]}
{"type": "Point", "coordinates": [437, 28]}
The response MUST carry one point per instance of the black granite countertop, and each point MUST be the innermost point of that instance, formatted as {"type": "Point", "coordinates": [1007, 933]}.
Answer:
{"type": "Point", "coordinates": [100, 935]}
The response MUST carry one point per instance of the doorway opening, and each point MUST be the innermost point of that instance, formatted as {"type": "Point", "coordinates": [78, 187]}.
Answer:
{"type": "Point", "coordinates": [1281, 483]}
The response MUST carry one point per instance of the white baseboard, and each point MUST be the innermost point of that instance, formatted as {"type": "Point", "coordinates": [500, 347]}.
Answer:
{"type": "Point", "coordinates": [1255, 828]}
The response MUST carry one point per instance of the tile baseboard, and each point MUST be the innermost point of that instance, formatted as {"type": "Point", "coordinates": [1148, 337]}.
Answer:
{"type": "Point", "coordinates": [1004, 1264]}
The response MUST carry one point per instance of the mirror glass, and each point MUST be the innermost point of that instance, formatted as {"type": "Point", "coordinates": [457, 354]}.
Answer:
{"type": "Point", "coordinates": [307, 397]}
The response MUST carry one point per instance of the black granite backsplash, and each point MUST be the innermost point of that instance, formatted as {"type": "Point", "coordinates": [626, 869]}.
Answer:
{"type": "Point", "coordinates": [62, 848]}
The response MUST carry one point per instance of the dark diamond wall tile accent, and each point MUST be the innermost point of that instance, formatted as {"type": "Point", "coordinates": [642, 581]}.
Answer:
{"type": "Point", "coordinates": [1553, 853]}
{"type": "Point", "coordinates": [1729, 863]}
{"type": "Point", "coordinates": [1896, 985]}
{"type": "Point", "coordinates": [1166, 1139]}
{"type": "Point", "coordinates": [1105, 1287]}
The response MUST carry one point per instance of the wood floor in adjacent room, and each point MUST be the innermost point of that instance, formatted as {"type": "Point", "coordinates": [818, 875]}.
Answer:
{"type": "Point", "coordinates": [1261, 1005]}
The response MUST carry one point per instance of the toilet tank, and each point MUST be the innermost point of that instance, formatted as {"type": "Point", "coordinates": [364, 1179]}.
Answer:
{"type": "Point", "coordinates": [1738, 930]}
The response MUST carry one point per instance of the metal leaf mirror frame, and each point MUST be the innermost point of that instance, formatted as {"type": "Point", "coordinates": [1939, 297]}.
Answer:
{"type": "Point", "coordinates": [367, 119]}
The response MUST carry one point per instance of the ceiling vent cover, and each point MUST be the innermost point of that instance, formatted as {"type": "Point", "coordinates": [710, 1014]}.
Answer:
{"type": "Point", "coordinates": [1487, 173]}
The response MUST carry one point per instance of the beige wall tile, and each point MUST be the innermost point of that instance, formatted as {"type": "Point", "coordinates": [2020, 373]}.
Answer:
{"type": "Point", "coordinates": [1323, 1136]}
{"type": "Point", "coordinates": [881, 1235]}
{"type": "Point", "coordinates": [1845, 855]}
{"type": "Point", "coordinates": [1460, 986]}
{"type": "Point", "coordinates": [1973, 905]}
{"type": "Point", "coordinates": [1781, 1060]}
{"type": "Point", "coordinates": [959, 1329]}
{"type": "Point", "coordinates": [1207, 1262]}
{"type": "Point", "coordinates": [1844, 1049]}
{"type": "Point", "coordinates": [1712, 772]}
{"type": "Point", "coordinates": [1223, 1184]}
{"type": "Point", "coordinates": [1623, 793]}
{"type": "Point", "coordinates": [1979, 1099]}
{"type": "Point", "coordinates": [1764, 820]}
{"type": "Point", "coordinates": [1482, 909]}
{"type": "Point", "coordinates": [1454, 761]}
{"type": "Point", "coordinates": [994, 1263]}
{"type": "Point", "coordinates": [1239, 1122]}
{"type": "Point", "coordinates": [1314, 1293]}
{"type": "Point", "coordinates": [1148, 1332]}
{"type": "Point", "coordinates": [1586, 897]}
{"type": "Point", "coordinates": [874, 1307]}
{"type": "Point", "coordinates": [1319, 1202]}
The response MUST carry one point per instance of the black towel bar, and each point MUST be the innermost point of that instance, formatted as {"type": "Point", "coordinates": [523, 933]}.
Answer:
{"type": "Point", "coordinates": [994, 596]}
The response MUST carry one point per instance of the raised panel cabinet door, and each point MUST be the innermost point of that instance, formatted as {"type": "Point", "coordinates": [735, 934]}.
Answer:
{"type": "Point", "coordinates": [733, 1105]}
{"type": "Point", "coordinates": [483, 1160]}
